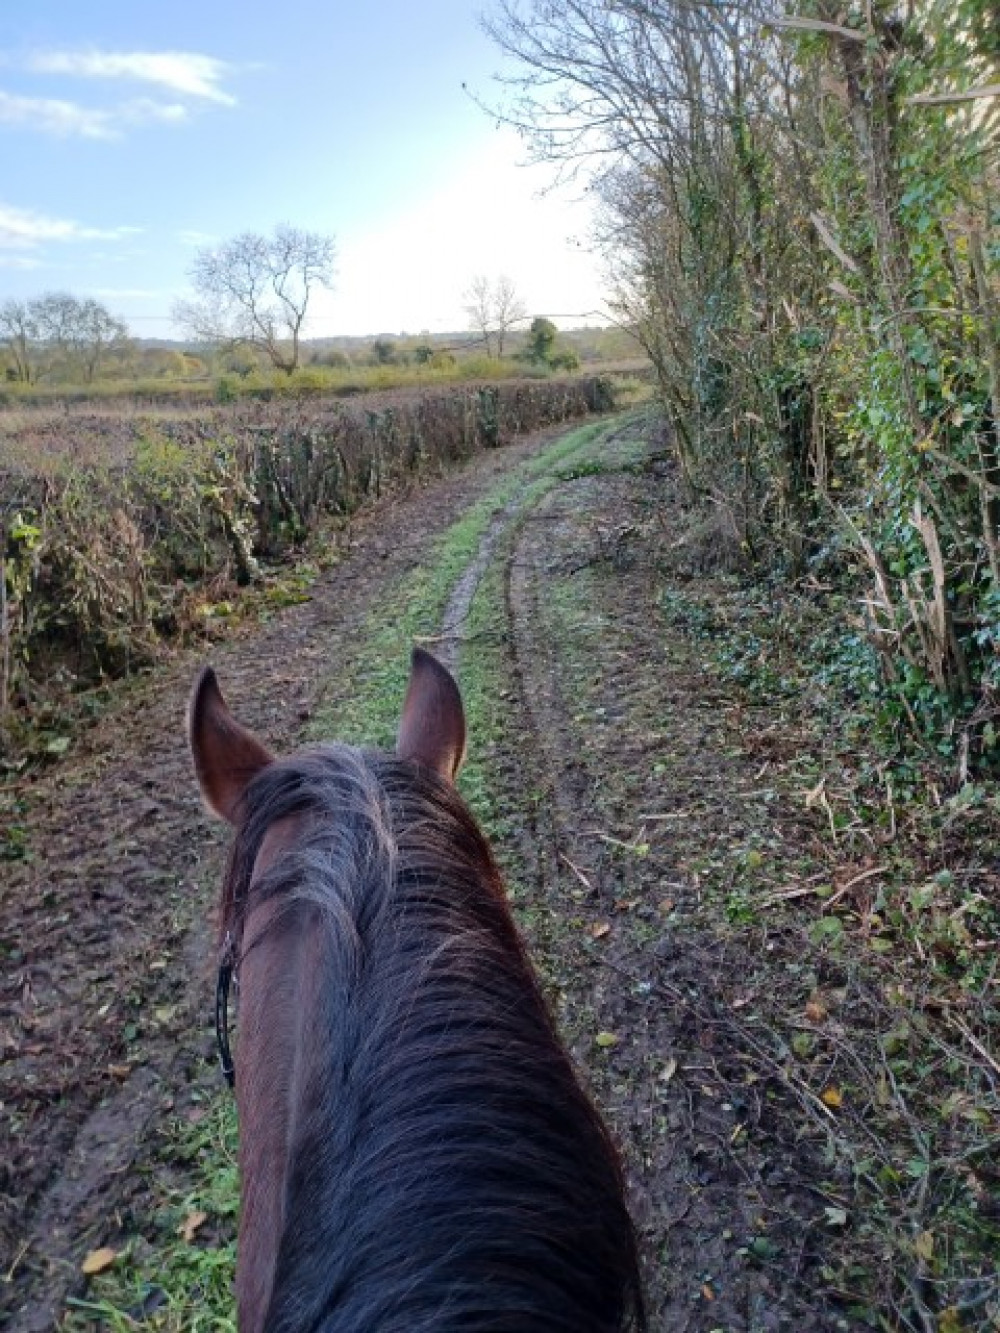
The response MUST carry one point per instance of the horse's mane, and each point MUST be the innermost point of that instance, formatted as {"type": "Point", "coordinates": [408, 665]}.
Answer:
{"type": "Point", "coordinates": [447, 1172]}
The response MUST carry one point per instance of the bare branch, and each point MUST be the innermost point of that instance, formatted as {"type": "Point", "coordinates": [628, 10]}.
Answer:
{"type": "Point", "coordinates": [255, 291]}
{"type": "Point", "coordinates": [790, 23]}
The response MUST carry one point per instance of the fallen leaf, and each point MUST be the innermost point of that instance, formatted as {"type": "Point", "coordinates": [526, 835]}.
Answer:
{"type": "Point", "coordinates": [668, 1070]}
{"type": "Point", "coordinates": [98, 1261]}
{"type": "Point", "coordinates": [601, 929]}
{"type": "Point", "coordinates": [707, 1292]}
{"type": "Point", "coordinates": [832, 1097]}
{"type": "Point", "coordinates": [924, 1246]}
{"type": "Point", "coordinates": [191, 1225]}
{"type": "Point", "coordinates": [666, 907]}
{"type": "Point", "coordinates": [816, 1011]}
{"type": "Point", "coordinates": [605, 1039]}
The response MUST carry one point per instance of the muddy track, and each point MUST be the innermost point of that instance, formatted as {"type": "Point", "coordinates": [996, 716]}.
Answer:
{"type": "Point", "coordinates": [616, 723]}
{"type": "Point", "coordinates": [106, 998]}
{"type": "Point", "coordinates": [616, 769]}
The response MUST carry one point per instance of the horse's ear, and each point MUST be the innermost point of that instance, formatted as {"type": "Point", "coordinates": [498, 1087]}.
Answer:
{"type": "Point", "coordinates": [226, 756]}
{"type": "Point", "coordinates": [432, 727]}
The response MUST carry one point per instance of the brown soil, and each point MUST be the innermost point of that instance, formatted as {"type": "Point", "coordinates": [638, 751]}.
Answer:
{"type": "Point", "coordinates": [105, 929]}
{"type": "Point", "coordinates": [635, 793]}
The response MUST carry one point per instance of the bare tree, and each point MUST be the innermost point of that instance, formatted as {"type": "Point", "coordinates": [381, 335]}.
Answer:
{"type": "Point", "coordinates": [494, 309]}
{"type": "Point", "coordinates": [73, 336]}
{"type": "Point", "coordinates": [99, 332]}
{"type": "Point", "coordinates": [19, 334]}
{"type": "Point", "coordinates": [255, 291]}
{"type": "Point", "coordinates": [478, 307]}
{"type": "Point", "coordinates": [56, 317]}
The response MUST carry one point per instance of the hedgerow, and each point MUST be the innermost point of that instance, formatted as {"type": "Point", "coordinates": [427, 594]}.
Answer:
{"type": "Point", "coordinates": [118, 533]}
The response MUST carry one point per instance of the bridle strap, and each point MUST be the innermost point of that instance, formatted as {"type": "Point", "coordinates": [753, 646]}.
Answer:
{"type": "Point", "coordinates": [222, 1012]}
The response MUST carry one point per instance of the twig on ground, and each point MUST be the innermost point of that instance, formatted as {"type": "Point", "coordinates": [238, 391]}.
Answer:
{"type": "Point", "coordinates": [577, 872]}
{"type": "Point", "coordinates": [856, 879]}
{"type": "Point", "coordinates": [973, 1041]}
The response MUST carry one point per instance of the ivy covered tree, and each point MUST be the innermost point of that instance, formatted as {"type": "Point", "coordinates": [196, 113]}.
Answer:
{"type": "Point", "coordinates": [540, 344]}
{"type": "Point", "coordinates": [799, 210]}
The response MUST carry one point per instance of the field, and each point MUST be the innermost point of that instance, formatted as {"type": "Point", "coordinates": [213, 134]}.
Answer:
{"type": "Point", "coordinates": [772, 953]}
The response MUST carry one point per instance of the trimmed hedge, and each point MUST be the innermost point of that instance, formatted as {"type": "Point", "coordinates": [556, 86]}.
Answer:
{"type": "Point", "coordinates": [116, 530]}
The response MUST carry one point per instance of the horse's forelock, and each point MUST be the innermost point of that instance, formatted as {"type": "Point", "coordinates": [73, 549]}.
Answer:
{"type": "Point", "coordinates": [366, 818]}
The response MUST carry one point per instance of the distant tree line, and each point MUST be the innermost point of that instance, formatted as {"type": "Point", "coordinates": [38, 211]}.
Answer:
{"type": "Point", "coordinates": [59, 337]}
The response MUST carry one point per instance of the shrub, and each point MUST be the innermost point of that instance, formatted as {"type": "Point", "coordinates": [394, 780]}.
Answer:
{"type": "Point", "coordinates": [112, 528]}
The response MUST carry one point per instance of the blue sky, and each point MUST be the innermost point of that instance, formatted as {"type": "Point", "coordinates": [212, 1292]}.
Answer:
{"type": "Point", "coordinates": [133, 133]}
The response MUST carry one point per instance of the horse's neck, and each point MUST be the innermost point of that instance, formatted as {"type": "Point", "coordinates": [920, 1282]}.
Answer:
{"type": "Point", "coordinates": [277, 1001]}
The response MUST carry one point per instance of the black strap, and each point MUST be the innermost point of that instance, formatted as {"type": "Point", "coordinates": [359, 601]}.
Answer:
{"type": "Point", "coordinates": [222, 1013]}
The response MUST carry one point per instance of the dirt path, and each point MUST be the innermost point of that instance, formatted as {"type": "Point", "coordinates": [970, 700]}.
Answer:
{"type": "Point", "coordinates": [635, 747]}
{"type": "Point", "coordinates": [105, 923]}
{"type": "Point", "coordinates": [637, 806]}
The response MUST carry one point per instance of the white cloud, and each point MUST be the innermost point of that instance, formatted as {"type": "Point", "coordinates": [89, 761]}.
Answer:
{"type": "Point", "coordinates": [144, 108]}
{"type": "Point", "coordinates": [22, 229]}
{"type": "Point", "coordinates": [185, 72]}
{"type": "Point", "coordinates": [54, 116]}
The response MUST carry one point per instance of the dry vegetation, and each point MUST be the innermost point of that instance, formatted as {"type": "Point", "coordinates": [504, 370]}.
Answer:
{"type": "Point", "coordinates": [120, 532]}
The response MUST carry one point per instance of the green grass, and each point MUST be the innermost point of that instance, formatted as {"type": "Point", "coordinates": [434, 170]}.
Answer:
{"type": "Point", "coordinates": [185, 1285]}
{"type": "Point", "coordinates": [191, 1281]}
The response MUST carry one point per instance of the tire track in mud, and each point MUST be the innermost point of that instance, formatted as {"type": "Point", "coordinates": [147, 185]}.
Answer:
{"type": "Point", "coordinates": [456, 611]}
{"type": "Point", "coordinates": [108, 921]}
{"type": "Point", "coordinates": [722, 1194]}
{"type": "Point", "coordinates": [594, 702]}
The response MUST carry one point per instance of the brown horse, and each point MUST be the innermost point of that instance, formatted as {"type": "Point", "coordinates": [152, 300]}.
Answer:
{"type": "Point", "coordinates": [416, 1152]}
